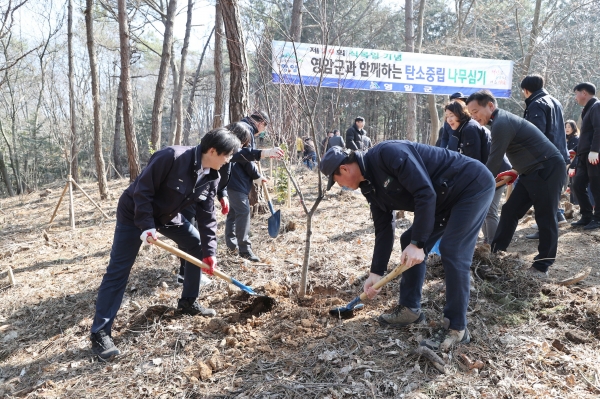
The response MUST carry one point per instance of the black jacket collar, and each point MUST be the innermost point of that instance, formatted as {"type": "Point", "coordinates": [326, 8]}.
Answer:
{"type": "Point", "coordinates": [589, 104]}
{"type": "Point", "coordinates": [535, 95]}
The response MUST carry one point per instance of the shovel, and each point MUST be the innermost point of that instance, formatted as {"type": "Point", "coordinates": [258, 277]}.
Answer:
{"type": "Point", "coordinates": [201, 265]}
{"type": "Point", "coordinates": [347, 312]}
{"type": "Point", "coordinates": [275, 219]}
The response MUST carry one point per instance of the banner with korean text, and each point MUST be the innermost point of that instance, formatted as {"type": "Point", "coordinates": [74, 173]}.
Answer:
{"type": "Point", "coordinates": [382, 70]}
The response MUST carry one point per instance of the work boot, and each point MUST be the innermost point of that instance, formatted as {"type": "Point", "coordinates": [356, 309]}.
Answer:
{"type": "Point", "coordinates": [594, 224]}
{"type": "Point", "coordinates": [190, 306]}
{"type": "Point", "coordinates": [533, 236]}
{"type": "Point", "coordinates": [401, 316]}
{"type": "Point", "coordinates": [536, 274]}
{"type": "Point", "coordinates": [103, 345]}
{"type": "Point", "coordinates": [582, 222]}
{"type": "Point", "coordinates": [445, 338]}
{"type": "Point", "coordinates": [250, 256]}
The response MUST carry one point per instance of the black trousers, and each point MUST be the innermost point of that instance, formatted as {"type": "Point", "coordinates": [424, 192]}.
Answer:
{"type": "Point", "coordinates": [190, 214]}
{"type": "Point", "coordinates": [541, 189]}
{"type": "Point", "coordinates": [585, 174]}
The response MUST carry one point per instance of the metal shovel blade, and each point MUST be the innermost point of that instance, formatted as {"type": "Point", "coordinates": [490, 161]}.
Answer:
{"type": "Point", "coordinates": [274, 224]}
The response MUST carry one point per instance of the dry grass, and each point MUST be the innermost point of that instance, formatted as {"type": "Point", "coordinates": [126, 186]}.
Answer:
{"type": "Point", "coordinates": [519, 327]}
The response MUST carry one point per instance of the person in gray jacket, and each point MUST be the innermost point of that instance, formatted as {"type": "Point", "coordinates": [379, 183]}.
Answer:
{"type": "Point", "coordinates": [541, 171]}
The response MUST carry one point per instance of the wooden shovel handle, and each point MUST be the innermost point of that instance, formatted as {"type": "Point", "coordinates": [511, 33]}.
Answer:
{"type": "Point", "coordinates": [264, 185]}
{"type": "Point", "coordinates": [188, 257]}
{"type": "Point", "coordinates": [390, 276]}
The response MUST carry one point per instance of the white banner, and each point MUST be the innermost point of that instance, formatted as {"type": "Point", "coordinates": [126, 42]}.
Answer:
{"type": "Point", "coordinates": [382, 70]}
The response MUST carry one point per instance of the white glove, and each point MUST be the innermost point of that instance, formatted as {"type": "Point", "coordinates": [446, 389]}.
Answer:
{"type": "Point", "coordinates": [259, 181]}
{"type": "Point", "coordinates": [145, 234]}
{"type": "Point", "coordinates": [571, 172]}
{"type": "Point", "coordinates": [593, 158]}
{"type": "Point", "coordinates": [272, 153]}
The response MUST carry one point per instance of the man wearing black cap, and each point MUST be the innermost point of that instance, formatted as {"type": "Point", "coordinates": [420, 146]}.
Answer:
{"type": "Point", "coordinates": [446, 131]}
{"type": "Point", "coordinates": [449, 195]}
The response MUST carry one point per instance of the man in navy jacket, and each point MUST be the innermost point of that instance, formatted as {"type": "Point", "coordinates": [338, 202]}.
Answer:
{"type": "Point", "coordinates": [449, 195]}
{"type": "Point", "coordinates": [174, 178]}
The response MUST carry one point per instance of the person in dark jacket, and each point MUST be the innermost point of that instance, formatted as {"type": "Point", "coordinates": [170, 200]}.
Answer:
{"type": "Point", "coordinates": [354, 134]}
{"type": "Point", "coordinates": [310, 152]}
{"type": "Point", "coordinates": [572, 136]}
{"type": "Point", "coordinates": [587, 170]}
{"type": "Point", "coordinates": [174, 178]}
{"type": "Point", "coordinates": [541, 171]}
{"type": "Point", "coordinates": [473, 140]}
{"type": "Point", "coordinates": [336, 140]}
{"type": "Point", "coordinates": [243, 176]}
{"type": "Point", "coordinates": [449, 195]}
{"type": "Point", "coordinates": [546, 113]}
{"type": "Point", "coordinates": [444, 132]}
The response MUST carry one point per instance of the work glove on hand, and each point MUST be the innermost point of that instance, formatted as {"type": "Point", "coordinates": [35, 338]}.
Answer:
{"type": "Point", "coordinates": [260, 179]}
{"type": "Point", "coordinates": [571, 172]}
{"type": "Point", "coordinates": [212, 262]}
{"type": "Point", "coordinates": [146, 234]}
{"type": "Point", "coordinates": [224, 205]}
{"type": "Point", "coordinates": [572, 154]}
{"type": "Point", "coordinates": [512, 174]}
{"type": "Point", "coordinates": [593, 158]}
{"type": "Point", "coordinates": [368, 288]}
{"type": "Point", "coordinates": [275, 152]}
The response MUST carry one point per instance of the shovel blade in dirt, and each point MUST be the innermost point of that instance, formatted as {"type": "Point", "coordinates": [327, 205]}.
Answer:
{"type": "Point", "coordinates": [274, 221]}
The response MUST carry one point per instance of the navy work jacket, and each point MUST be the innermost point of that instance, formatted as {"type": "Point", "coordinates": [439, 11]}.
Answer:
{"type": "Point", "coordinates": [168, 184]}
{"type": "Point", "coordinates": [429, 181]}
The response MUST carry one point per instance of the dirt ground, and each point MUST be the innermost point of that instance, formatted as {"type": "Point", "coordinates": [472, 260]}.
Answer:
{"type": "Point", "coordinates": [530, 340]}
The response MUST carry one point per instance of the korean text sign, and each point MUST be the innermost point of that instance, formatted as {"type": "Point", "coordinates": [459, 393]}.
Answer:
{"type": "Point", "coordinates": [382, 70]}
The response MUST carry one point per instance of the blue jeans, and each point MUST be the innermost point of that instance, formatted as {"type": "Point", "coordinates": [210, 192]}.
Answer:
{"type": "Point", "coordinates": [456, 248]}
{"type": "Point", "coordinates": [310, 160]}
{"type": "Point", "coordinates": [126, 245]}
{"type": "Point", "coordinates": [237, 225]}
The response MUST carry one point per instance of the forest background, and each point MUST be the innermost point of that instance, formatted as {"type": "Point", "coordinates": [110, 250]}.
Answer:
{"type": "Point", "coordinates": [47, 106]}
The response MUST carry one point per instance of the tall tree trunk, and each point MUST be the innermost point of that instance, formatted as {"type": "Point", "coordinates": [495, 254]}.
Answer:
{"type": "Point", "coordinates": [239, 103]}
{"type": "Point", "coordinates": [130, 139]}
{"type": "Point", "coordinates": [435, 121]}
{"type": "Point", "coordinates": [5, 176]}
{"type": "Point", "coordinates": [190, 105]}
{"type": "Point", "coordinates": [163, 72]}
{"type": "Point", "coordinates": [218, 119]}
{"type": "Point", "coordinates": [74, 172]}
{"type": "Point", "coordinates": [179, 92]}
{"type": "Point", "coordinates": [296, 27]}
{"type": "Point", "coordinates": [411, 99]}
{"type": "Point", "coordinates": [117, 137]}
{"type": "Point", "coordinates": [535, 26]}
{"type": "Point", "coordinates": [98, 157]}
{"type": "Point", "coordinates": [173, 121]}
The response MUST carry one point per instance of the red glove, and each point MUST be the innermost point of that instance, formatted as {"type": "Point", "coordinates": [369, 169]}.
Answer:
{"type": "Point", "coordinates": [512, 174]}
{"type": "Point", "coordinates": [211, 261]}
{"type": "Point", "coordinates": [572, 154]}
{"type": "Point", "coordinates": [224, 205]}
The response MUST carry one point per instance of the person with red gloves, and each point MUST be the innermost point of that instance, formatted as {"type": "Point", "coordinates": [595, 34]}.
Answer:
{"type": "Point", "coordinates": [541, 170]}
{"type": "Point", "coordinates": [174, 178]}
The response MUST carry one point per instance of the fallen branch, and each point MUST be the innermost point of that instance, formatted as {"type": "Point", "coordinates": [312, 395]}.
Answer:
{"type": "Point", "coordinates": [437, 361]}
{"type": "Point", "coordinates": [576, 278]}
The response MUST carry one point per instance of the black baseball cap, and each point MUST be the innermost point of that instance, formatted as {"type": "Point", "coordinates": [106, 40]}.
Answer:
{"type": "Point", "coordinates": [332, 159]}
{"type": "Point", "coordinates": [458, 95]}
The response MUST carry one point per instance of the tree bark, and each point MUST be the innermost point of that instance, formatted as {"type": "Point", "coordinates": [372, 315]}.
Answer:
{"type": "Point", "coordinates": [179, 92]}
{"type": "Point", "coordinates": [218, 65]}
{"type": "Point", "coordinates": [532, 37]}
{"type": "Point", "coordinates": [117, 137]}
{"type": "Point", "coordinates": [411, 99]}
{"type": "Point", "coordinates": [5, 176]}
{"type": "Point", "coordinates": [98, 157]}
{"type": "Point", "coordinates": [296, 27]}
{"type": "Point", "coordinates": [74, 172]}
{"type": "Point", "coordinates": [163, 72]}
{"type": "Point", "coordinates": [190, 106]}
{"type": "Point", "coordinates": [125, 83]}
{"type": "Point", "coordinates": [173, 120]}
{"type": "Point", "coordinates": [238, 88]}
{"type": "Point", "coordinates": [435, 119]}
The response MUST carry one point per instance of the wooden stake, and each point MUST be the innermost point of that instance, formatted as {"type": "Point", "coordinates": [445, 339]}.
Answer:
{"type": "Point", "coordinates": [91, 200]}
{"type": "Point", "coordinates": [11, 277]}
{"type": "Point", "coordinates": [59, 201]}
{"type": "Point", "coordinates": [289, 193]}
{"type": "Point", "coordinates": [71, 207]}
